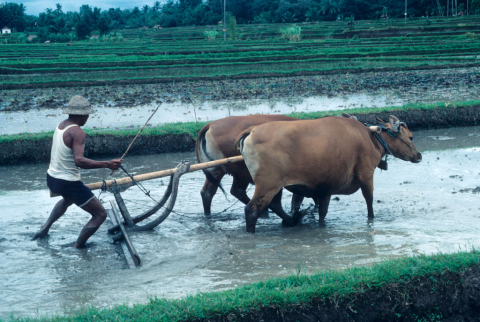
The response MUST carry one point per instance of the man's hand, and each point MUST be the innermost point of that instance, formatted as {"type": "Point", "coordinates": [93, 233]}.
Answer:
{"type": "Point", "coordinates": [114, 164]}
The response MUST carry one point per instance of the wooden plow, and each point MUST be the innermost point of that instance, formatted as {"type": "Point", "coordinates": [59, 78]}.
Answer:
{"type": "Point", "coordinates": [123, 222]}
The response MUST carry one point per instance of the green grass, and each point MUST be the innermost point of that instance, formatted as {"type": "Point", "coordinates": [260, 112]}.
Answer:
{"type": "Point", "coordinates": [192, 128]}
{"type": "Point", "coordinates": [281, 292]}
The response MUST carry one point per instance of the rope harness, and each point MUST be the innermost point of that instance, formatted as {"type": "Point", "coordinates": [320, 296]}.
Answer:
{"type": "Point", "coordinates": [393, 135]}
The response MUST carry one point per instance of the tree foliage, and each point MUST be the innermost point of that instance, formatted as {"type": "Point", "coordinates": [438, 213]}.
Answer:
{"type": "Point", "coordinates": [80, 24]}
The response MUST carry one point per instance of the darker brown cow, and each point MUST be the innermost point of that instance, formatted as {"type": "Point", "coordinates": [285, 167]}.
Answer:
{"type": "Point", "coordinates": [317, 159]}
{"type": "Point", "coordinates": [216, 141]}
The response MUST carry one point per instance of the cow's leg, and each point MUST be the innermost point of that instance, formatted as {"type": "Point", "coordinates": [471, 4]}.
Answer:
{"type": "Point", "coordinates": [262, 198]}
{"type": "Point", "coordinates": [367, 191]}
{"type": "Point", "coordinates": [276, 207]}
{"type": "Point", "coordinates": [296, 203]}
{"type": "Point", "coordinates": [239, 189]}
{"type": "Point", "coordinates": [208, 191]}
{"type": "Point", "coordinates": [322, 203]}
{"type": "Point", "coordinates": [316, 201]}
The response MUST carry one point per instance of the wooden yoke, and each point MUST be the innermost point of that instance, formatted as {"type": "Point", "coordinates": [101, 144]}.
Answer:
{"type": "Point", "coordinates": [164, 173]}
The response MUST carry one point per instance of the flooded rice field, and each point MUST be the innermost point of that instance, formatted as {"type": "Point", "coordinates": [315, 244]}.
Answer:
{"type": "Point", "coordinates": [430, 207]}
{"type": "Point", "coordinates": [42, 120]}
{"type": "Point", "coordinates": [30, 111]}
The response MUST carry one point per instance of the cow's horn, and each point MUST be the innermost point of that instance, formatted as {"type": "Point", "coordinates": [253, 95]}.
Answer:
{"type": "Point", "coordinates": [349, 116]}
{"type": "Point", "coordinates": [395, 123]}
{"type": "Point", "coordinates": [375, 129]}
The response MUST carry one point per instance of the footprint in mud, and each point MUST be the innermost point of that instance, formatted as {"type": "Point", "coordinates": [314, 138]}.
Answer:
{"type": "Point", "coordinates": [456, 176]}
{"type": "Point", "coordinates": [472, 190]}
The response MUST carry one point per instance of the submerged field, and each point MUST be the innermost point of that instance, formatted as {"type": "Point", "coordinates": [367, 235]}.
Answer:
{"type": "Point", "coordinates": [427, 208]}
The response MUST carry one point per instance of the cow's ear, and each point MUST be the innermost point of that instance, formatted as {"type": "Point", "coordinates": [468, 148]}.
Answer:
{"type": "Point", "coordinates": [395, 122]}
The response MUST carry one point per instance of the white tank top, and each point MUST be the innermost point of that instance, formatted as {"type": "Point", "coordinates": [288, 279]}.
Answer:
{"type": "Point", "coordinates": [62, 163]}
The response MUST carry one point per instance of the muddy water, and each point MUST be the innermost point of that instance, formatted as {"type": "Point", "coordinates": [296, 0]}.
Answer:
{"type": "Point", "coordinates": [40, 120]}
{"type": "Point", "coordinates": [47, 119]}
{"type": "Point", "coordinates": [420, 208]}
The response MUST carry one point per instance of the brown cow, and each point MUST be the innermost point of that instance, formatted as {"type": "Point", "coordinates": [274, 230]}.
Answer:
{"type": "Point", "coordinates": [216, 141]}
{"type": "Point", "coordinates": [317, 159]}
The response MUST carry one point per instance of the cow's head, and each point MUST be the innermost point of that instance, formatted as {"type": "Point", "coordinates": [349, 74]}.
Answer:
{"type": "Point", "coordinates": [399, 140]}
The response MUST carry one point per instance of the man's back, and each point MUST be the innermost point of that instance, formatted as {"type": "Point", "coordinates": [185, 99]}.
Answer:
{"type": "Point", "coordinates": [62, 161]}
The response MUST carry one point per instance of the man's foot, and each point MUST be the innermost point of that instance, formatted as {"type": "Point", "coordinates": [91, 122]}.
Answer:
{"type": "Point", "coordinates": [40, 234]}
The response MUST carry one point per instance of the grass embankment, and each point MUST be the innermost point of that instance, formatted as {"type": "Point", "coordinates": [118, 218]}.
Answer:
{"type": "Point", "coordinates": [351, 292]}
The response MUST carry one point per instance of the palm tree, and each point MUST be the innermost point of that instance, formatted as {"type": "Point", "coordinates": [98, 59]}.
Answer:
{"type": "Point", "coordinates": [329, 7]}
{"type": "Point", "coordinates": [313, 14]}
{"type": "Point", "coordinates": [156, 6]}
{"type": "Point", "coordinates": [288, 17]}
{"type": "Point", "coordinates": [96, 15]}
{"type": "Point", "coordinates": [22, 8]}
{"type": "Point", "coordinates": [59, 9]}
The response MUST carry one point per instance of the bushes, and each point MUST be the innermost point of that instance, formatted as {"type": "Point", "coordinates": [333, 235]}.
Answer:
{"type": "Point", "coordinates": [231, 26]}
{"type": "Point", "coordinates": [471, 35]}
{"type": "Point", "coordinates": [292, 33]}
{"type": "Point", "coordinates": [210, 34]}
{"type": "Point", "coordinates": [112, 37]}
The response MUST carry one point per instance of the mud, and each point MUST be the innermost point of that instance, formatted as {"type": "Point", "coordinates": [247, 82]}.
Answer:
{"type": "Point", "coordinates": [22, 151]}
{"type": "Point", "coordinates": [424, 208]}
{"type": "Point", "coordinates": [454, 81]}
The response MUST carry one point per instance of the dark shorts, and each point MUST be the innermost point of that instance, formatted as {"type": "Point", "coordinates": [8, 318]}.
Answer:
{"type": "Point", "coordinates": [74, 191]}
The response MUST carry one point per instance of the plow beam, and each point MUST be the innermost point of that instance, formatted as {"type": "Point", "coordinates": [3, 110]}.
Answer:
{"type": "Point", "coordinates": [164, 173]}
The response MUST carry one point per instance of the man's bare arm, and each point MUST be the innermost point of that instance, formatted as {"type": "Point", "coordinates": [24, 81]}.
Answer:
{"type": "Point", "coordinates": [78, 139]}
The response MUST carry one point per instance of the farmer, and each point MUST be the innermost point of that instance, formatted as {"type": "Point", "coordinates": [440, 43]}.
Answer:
{"type": "Point", "coordinates": [63, 175]}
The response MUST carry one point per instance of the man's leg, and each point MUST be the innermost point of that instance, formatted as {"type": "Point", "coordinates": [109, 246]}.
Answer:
{"type": "Point", "coordinates": [57, 212]}
{"type": "Point", "coordinates": [99, 214]}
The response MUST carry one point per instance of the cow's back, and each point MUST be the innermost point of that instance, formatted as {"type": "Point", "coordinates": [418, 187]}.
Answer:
{"type": "Point", "coordinates": [225, 131]}
{"type": "Point", "coordinates": [325, 151]}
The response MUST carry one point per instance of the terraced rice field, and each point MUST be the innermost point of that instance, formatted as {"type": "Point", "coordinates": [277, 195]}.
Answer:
{"type": "Point", "coordinates": [182, 54]}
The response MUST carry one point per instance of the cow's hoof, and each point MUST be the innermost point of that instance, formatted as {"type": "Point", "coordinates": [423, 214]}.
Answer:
{"type": "Point", "coordinates": [289, 223]}
{"type": "Point", "coordinates": [264, 214]}
{"type": "Point", "coordinates": [40, 234]}
{"type": "Point", "coordinates": [251, 230]}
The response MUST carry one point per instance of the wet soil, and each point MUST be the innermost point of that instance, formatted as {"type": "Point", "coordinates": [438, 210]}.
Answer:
{"type": "Point", "coordinates": [131, 95]}
{"type": "Point", "coordinates": [449, 296]}
{"type": "Point", "coordinates": [426, 208]}
{"type": "Point", "coordinates": [22, 151]}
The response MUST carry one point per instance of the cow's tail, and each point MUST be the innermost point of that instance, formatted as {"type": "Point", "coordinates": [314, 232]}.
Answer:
{"type": "Point", "coordinates": [241, 137]}
{"type": "Point", "coordinates": [201, 147]}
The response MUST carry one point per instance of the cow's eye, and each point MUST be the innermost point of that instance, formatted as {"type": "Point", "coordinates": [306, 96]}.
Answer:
{"type": "Point", "coordinates": [411, 138]}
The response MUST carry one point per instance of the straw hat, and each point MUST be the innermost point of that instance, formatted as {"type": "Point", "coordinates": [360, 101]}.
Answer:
{"type": "Point", "coordinates": [78, 105]}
